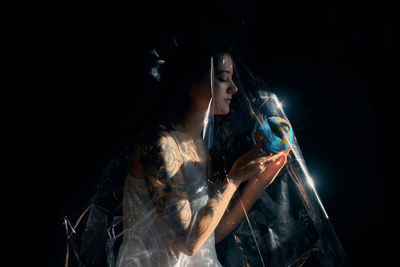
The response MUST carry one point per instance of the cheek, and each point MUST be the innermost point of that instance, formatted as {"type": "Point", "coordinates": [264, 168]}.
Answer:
{"type": "Point", "coordinates": [219, 90]}
{"type": "Point", "coordinates": [220, 107]}
{"type": "Point", "coordinates": [217, 99]}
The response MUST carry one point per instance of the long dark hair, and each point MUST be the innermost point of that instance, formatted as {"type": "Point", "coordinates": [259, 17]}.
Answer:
{"type": "Point", "coordinates": [187, 65]}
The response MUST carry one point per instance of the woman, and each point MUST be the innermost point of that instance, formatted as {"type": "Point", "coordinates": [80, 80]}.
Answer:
{"type": "Point", "coordinates": [173, 216]}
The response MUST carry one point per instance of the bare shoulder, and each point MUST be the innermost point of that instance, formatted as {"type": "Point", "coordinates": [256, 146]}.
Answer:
{"type": "Point", "coordinates": [158, 151]}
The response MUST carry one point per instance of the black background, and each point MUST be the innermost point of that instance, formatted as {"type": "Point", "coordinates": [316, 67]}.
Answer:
{"type": "Point", "coordinates": [73, 75]}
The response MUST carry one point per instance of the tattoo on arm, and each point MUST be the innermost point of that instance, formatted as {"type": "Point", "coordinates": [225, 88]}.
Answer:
{"type": "Point", "coordinates": [162, 163]}
{"type": "Point", "coordinates": [213, 203]}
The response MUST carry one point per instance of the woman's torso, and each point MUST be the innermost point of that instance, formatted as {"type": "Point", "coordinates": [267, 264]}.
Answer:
{"type": "Point", "coordinates": [146, 241]}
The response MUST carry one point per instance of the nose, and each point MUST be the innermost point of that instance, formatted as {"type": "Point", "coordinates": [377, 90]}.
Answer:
{"type": "Point", "coordinates": [232, 89]}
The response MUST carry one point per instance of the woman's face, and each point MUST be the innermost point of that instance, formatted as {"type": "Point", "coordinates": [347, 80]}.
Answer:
{"type": "Point", "coordinates": [224, 88]}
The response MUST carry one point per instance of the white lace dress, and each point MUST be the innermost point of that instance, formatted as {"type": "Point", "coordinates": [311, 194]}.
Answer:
{"type": "Point", "coordinates": [146, 241]}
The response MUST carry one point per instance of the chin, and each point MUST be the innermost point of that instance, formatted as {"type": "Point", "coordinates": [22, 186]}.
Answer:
{"type": "Point", "coordinates": [221, 110]}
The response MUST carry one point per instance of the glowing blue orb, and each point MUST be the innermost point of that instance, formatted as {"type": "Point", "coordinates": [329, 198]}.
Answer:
{"type": "Point", "coordinates": [276, 134]}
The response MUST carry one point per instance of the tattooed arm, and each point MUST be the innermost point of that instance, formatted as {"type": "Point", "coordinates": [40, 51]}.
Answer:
{"type": "Point", "coordinates": [162, 169]}
{"type": "Point", "coordinates": [162, 166]}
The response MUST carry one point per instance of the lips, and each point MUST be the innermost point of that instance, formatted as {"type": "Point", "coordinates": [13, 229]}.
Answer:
{"type": "Point", "coordinates": [228, 100]}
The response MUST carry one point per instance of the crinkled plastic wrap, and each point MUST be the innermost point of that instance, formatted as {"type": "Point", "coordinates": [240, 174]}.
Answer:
{"type": "Point", "coordinates": [287, 226]}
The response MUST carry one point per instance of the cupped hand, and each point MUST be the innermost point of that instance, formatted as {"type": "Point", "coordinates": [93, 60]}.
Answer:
{"type": "Point", "coordinates": [260, 170]}
{"type": "Point", "coordinates": [272, 166]}
{"type": "Point", "coordinates": [248, 165]}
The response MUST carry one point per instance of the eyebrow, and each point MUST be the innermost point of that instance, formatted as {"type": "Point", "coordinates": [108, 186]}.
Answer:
{"type": "Point", "coordinates": [220, 71]}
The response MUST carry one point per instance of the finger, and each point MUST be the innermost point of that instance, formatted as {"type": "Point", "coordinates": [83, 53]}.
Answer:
{"type": "Point", "coordinates": [287, 150]}
{"type": "Point", "coordinates": [273, 157]}
{"type": "Point", "coordinates": [266, 154]}
{"type": "Point", "coordinates": [282, 160]}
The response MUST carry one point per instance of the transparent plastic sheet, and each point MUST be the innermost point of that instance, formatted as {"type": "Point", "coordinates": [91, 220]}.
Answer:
{"type": "Point", "coordinates": [287, 226]}
{"type": "Point", "coordinates": [288, 222]}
